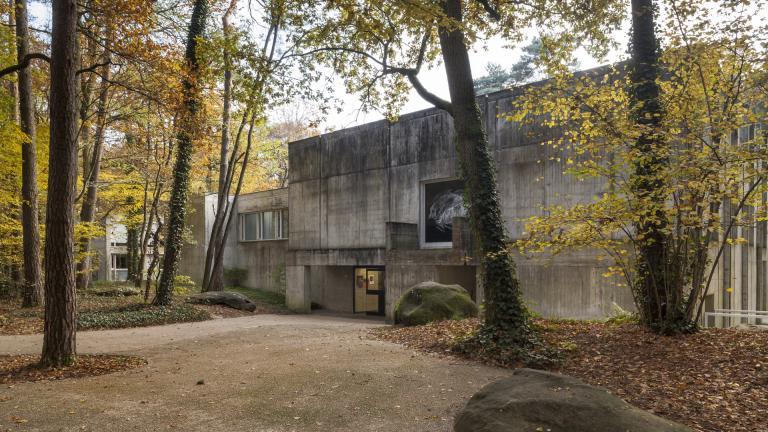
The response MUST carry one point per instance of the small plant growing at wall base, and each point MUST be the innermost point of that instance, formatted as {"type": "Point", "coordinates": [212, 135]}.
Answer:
{"type": "Point", "coordinates": [278, 278]}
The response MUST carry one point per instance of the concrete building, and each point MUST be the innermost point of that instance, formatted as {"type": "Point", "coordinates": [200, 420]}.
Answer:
{"type": "Point", "coordinates": [374, 209]}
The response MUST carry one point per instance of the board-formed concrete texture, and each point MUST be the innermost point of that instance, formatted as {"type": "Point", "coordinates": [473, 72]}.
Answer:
{"type": "Point", "coordinates": [355, 199]}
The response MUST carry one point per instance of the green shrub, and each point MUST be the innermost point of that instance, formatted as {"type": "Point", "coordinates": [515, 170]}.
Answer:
{"type": "Point", "coordinates": [139, 315]}
{"type": "Point", "coordinates": [619, 316]}
{"type": "Point", "coordinates": [182, 285]}
{"type": "Point", "coordinates": [235, 276]}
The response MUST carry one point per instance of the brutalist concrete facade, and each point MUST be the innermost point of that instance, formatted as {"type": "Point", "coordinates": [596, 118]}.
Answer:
{"type": "Point", "coordinates": [358, 220]}
{"type": "Point", "coordinates": [356, 200]}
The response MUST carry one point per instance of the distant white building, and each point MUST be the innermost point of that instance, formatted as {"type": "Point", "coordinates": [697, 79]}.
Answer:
{"type": "Point", "coordinates": [111, 261]}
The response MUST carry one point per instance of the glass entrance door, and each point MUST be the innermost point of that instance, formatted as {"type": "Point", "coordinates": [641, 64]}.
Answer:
{"type": "Point", "coordinates": [369, 290]}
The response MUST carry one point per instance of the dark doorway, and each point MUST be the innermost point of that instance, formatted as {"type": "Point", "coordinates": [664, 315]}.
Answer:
{"type": "Point", "coordinates": [368, 291]}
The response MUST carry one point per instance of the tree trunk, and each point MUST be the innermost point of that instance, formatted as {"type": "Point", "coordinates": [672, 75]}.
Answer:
{"type": "Point", "coordinates": [506, 318]}
{"type": "Point", "coordinates": [33, 284]}
{"type": "Point", "coordinates": [149, 209]}
{"type": "Point", "coordinates": [178, 203]}
{"type": "Point", "coordinates": [218, 266]}
{"type": "Point", "coordinates": [155, 257]}
{"type": "Point", "coordinates": [86, 89]}
{"type": "Point", "coordinates": [60, 301]}
{"type": "Point", "coordinates": [133, 254]}
{"type": "Point", "coordinates": [211, 278]}
{"type": "Point", "coordinates": [91, 174]}
{"type": "Point", "coordinates": [660, 309]}
{"type": "Point", "coordinates": [216, 278]}
{"type": "Point", "coordinates": [13, 88]}
{"type": "Point", "coordinates": [213, 275]}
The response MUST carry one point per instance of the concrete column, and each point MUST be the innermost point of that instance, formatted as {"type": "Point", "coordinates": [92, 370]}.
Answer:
{"type": "Point", "coordinates": [298, 290]}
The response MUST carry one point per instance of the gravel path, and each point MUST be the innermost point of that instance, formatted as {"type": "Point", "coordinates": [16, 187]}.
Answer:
{"type": "Point", "coordinates": [260, 373]}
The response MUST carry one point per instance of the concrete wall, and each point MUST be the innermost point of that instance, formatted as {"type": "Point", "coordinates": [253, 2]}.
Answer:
{"type": "Point", "coordinates": [332, 287]}
{"type": "Point", "coordinates": [339, 189]}
{"type": "Point", "coordinates": [264, 260]}
{"type": "Point", "coordinates": [200, 211]}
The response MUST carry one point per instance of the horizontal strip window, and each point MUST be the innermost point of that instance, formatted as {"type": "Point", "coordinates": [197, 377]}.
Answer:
{"type": "Point", "coordinates": [264, 225]}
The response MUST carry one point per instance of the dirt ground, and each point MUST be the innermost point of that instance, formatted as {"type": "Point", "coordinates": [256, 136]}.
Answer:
{"type": "Point", "coordinates": [257, 373]}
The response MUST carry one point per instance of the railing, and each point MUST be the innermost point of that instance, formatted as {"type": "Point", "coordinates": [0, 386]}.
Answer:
{"type": "Point", "coordinates": [760, 317]}
{"type": "Point", "coordinates": [119, 275]}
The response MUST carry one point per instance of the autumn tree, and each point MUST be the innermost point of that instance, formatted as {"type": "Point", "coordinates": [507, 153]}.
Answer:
{"type": "Point", "coordinates": [92, 165]}
{"type": "Point", "coordinates": [648, 179]}
{"type": "Point", "coordinates": [269, 70]}
{"type": "Point", "coordinates": [674, 136]}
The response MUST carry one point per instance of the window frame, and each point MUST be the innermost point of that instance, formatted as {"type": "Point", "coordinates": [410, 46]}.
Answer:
{"type": "Point", "coordinates": [281, 230]}
{"type": "Point", "coordinates": [423, 244]}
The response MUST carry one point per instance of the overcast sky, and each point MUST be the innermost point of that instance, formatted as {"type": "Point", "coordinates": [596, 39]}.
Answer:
{"type": "Point", "coordinates": [494, 50]}
{"type": "Point", "coordinates": [434, 79]}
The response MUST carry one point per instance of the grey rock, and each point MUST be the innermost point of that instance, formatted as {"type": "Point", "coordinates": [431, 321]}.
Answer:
{"type": "Point", "coordinates": [231, 299]}
{"type": "Point", "coordinates": [532, 400]}
{"type": "Point", "coordinates": [118, 292]}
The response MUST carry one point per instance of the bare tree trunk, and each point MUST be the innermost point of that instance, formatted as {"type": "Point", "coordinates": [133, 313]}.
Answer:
{"type": "Point", "coordinates": [16, 273]}
{"type": "Point", "coordinates": [148, 222]}
{"type": "Point", "coordinates": [59, 346]}
{"type": "Point", "coordinates": [144, 232]}
{"type": "Point", "coordinates": [91, 173]}
{"type": "Point", "coordinates": [216, 241]}
{"type": "Point", "coordinates": [210, 278]}
{"type": "Point", "coordinates": [218, 265]}
{"type": "Point", "coordinates": [507, 322]}
{"type": "Point", "coordinates": [155, 255]}
{"type": "Point", "coordinates": [133, 254]}
{"type": "Point", "coordinates": [33, 284]}
{"type": "Point", "coordinates": [178, 203]}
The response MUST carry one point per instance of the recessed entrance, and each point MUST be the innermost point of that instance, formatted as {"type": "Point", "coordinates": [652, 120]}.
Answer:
{"type": "Point", "coordinates": [368, 291]}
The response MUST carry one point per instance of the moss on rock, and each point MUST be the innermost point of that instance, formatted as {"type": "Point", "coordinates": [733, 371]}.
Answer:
{"type": "Point", "coordinates": [432, 301]}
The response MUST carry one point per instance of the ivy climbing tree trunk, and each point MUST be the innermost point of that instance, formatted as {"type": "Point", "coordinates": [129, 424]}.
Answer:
{"type": "Point", "coordinates": [178, 202]}
{"type": "Point", "coordinates": [660, 309]}
{"type": "Point", "coordinates": [33, 284]}
{"type": "Point", "coordinates": [60, 312]}
{"type": "Point", "coordinates": [507, 326]}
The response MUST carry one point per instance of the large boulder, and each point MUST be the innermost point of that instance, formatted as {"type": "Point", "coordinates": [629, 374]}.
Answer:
{"type": "Point", "coordinates": [532, 400]}
{"type": "Point", "coordinates": [231, 299]}
{"type": "Point", "coordinates": [432, 301]}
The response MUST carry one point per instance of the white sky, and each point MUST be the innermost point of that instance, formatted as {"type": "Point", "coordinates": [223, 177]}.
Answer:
{"type": "Point", "coordinates": [434, 79]}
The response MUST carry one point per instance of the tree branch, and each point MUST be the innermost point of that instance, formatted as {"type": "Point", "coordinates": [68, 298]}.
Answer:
{"type": "Point", "coordinates": [429, 96]}
{"type": "Point", "coordinates": [492, 12]}
{"type": "Point", "coordinates": [93, 67]}
{"type": "Point", "coordinates": [412, 75]}
{"type": "Point", "coordinates": [24, 63]}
